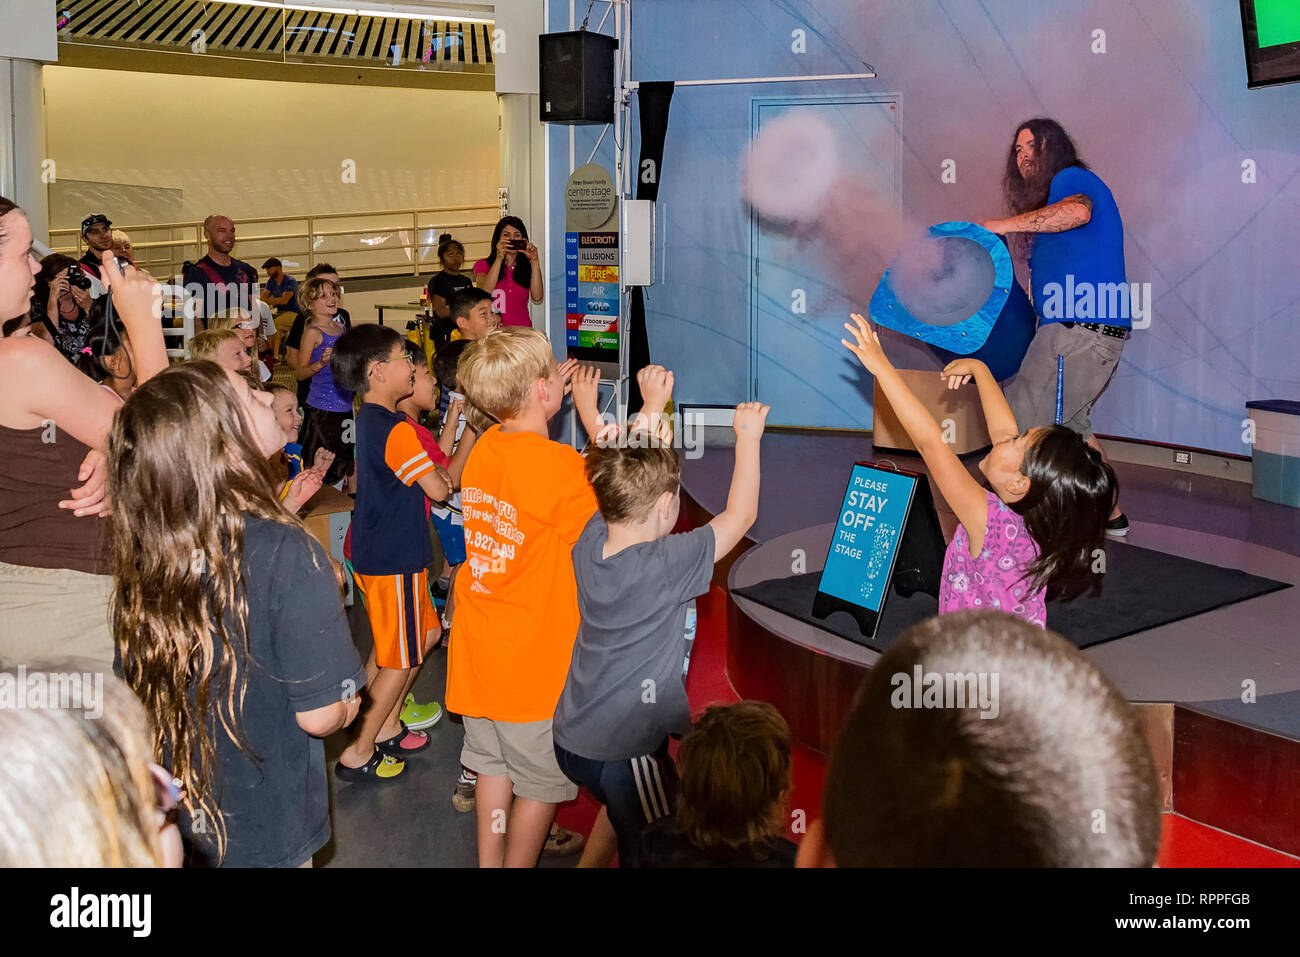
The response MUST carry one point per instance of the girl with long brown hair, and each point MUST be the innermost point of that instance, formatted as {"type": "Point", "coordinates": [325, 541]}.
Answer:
{"type": "Point", "coordinates": [227, 616]}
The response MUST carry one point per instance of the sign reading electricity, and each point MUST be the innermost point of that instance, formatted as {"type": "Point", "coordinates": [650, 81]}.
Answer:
{"type": "Point", "coordinates": [591, 251]}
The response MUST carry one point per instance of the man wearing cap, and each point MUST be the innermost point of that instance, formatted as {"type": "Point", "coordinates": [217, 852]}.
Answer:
{"type": "Point", "coordinates": [219, 280]}
{"type": "Point", "coordinates": [281, 294]}
{"type": "Point", "coordinates": [97, 231]}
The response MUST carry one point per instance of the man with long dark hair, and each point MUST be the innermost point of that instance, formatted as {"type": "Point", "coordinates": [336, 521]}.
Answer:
{"type": "Point", "coordinates": [1064, 218]}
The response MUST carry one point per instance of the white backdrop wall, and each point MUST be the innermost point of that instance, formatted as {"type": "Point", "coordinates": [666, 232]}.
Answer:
{"type": "Point", "coordinates": [259, 148]}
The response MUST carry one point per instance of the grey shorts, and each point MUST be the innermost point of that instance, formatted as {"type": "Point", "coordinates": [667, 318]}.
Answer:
{"type": "Point", "coordinates": [525, 753]}
{"type": "Point", "coordinates": [1091, 359]}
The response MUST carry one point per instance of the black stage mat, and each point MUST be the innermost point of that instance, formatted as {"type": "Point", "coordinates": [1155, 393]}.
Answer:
{"type": "Point", "coordinates": [1142, 589]}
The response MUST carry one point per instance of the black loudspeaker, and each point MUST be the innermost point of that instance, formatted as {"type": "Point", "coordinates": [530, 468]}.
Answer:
{"type": "Point", "coordinates": [577, 77]}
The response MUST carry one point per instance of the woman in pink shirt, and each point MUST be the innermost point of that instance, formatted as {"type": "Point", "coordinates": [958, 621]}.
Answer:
{"type": "Point", "coordinates": [512, 279]}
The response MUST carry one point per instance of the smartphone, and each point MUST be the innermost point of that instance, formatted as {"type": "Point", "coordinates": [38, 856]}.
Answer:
{"type": "Point", "coordinates": [110, 317]}
{"type": "Point", "coordinates": [519, 244]}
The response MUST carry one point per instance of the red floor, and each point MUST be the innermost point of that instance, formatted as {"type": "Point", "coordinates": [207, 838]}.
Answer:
{"type": "Point", "coordinates": [1185, 843]}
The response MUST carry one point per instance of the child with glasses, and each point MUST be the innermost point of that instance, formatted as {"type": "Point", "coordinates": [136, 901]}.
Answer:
{"type": "Point", "coordinates": [390, 546]}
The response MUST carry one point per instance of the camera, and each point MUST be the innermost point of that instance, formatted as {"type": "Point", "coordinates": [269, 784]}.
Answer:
{"type": "Point", "coordinates": [519, 244]}
{"type": "Point", "coordinates": [77, 278]}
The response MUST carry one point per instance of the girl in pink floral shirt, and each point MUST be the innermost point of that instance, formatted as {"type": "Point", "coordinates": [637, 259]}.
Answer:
{"type": "Point", "coordinates": [1035, 532]}
{"type": "Point", "coordinates": [994, 578]}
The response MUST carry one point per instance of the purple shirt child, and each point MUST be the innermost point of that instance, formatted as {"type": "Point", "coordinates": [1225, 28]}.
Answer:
{"type": "Point", "coordinates": [325, 393]}
{"type": "Point", "coordinates": [993, 580]}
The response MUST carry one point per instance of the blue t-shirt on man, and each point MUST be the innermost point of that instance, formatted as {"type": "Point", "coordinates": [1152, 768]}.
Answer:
{"type": "Point", "coordinates": [278, 289]}
{"type": "Point", "coordinates": [1078, 275]}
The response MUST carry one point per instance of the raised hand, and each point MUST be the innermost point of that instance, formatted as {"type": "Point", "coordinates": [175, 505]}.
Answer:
{"type": "Point", "coordinates": [137, 297]}
{"type": "Point", "coordinates": [302, 487]}
{"type": "Point", "coordinates": [566, 370]}
{"type": "Point", "coordinates": [57, 288]}
{"type": "Point", "coordinates": [323, 460]}
{"type": "Point", "coordinates": [82, 298]}
{"type": "Point", "coordinates": [656, 384]}
{"type": "Point", "coordinates": [586, 379]}
{"type": "Point", "coordinates": [455, 409]}
{"type": "Point", "coordinates": [866, 345]}
{"type": "Point", "coordinates": [961, 371]}
{"type": "Point", "coordinates": [750, 419]}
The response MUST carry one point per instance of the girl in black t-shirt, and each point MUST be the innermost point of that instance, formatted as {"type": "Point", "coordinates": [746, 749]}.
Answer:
{"type": "Point", "coordinates": [448, 281]}
{"type": "Point", "coordinates": [228, 619]}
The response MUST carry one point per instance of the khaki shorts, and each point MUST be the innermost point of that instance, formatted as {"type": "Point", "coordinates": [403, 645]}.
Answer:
{"type": "Point", "coordinates": [55, 614]}
{"type": "Point", "coordinates": [525, 753]}
{"type": "Point", "coordinates": [284, 322]}
{"type": "Point", "coordinates": [1091, 359]}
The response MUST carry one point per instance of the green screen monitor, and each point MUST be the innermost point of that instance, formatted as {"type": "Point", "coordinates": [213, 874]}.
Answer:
{"type": "Point", "coordinates": [1271, 30]}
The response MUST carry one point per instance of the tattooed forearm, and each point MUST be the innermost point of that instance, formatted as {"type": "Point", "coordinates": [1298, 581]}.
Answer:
{"type": "Point", "coordinates": [1069, 213]}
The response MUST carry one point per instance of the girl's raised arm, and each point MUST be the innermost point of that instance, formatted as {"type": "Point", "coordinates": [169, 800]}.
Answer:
{"type": "Point", "coordinates": [965, 496]}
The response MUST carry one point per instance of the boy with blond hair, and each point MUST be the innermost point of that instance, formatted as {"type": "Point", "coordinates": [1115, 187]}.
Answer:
{"type": "Point", "coordinates": [525, 501]}
{"type": "Point", "coordinates": [625, 693]}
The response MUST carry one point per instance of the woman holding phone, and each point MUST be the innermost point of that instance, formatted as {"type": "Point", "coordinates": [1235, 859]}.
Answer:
{"type": "Point", "coordinates": [54, 421]}
{"type": "Point", "coordinates": [511, 278]}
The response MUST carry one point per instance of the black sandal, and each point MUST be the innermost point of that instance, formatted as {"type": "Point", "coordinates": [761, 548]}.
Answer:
{"type": "Point", "coordinates": [379, 769]}
{"type": "Point", "coordinates": [393, 746]}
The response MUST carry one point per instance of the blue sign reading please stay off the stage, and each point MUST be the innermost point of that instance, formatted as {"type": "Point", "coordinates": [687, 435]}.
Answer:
{"type": "Point", "coordinates": [867, 532]}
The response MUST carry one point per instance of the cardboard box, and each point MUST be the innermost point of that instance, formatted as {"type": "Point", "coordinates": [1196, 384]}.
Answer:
{"type": "Point", "coordinates": [325, 503]}
{"type": "Point", "coordinates": [957, 411]}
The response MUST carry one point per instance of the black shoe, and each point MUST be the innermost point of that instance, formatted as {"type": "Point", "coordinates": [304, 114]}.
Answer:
{"type": "Point", "coordinates": [396, 747]}
{"type": "Point", "coordinates": [381, 768]}
{"type": "Point", "coordinates": [1117, 527]}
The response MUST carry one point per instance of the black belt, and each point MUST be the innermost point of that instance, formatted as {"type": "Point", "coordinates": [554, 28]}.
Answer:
{"type": "Point", "coordinates": [1115, 332]}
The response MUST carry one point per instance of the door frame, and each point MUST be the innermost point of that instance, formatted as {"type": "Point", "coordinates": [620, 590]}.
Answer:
{"type": "Point", "coordinates": [829, 99]}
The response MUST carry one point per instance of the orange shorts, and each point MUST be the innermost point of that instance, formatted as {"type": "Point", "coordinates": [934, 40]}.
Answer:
{"type": "Point", "coordinates": [401, 612]}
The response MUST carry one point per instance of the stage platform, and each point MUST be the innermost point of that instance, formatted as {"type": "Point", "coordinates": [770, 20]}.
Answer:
{"type": "Point", "coordinates": [1224, 762]}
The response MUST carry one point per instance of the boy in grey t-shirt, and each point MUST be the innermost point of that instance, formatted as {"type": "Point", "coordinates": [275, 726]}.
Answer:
{"type": "Point", "coordinates": [625, 692]}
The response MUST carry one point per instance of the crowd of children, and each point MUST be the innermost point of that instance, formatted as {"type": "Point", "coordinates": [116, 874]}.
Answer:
{"type": "Point", "coordinates": [566, 591]}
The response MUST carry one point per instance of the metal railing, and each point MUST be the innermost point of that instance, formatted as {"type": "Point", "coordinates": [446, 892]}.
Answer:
{"type": "Point", "coordinates": [384, 242]}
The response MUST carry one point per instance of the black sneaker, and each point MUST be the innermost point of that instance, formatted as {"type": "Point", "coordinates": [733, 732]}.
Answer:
{"type": "Point", "coordinates": [1117, 527]}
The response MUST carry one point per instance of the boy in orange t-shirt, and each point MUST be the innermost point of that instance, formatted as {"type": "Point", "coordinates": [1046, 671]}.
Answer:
{"type": "Point", "coordinates": [525, 500]}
